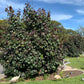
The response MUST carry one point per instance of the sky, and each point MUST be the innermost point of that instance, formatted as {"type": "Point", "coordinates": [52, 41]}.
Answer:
{"type": "Point", "coordinates": [70, 13]}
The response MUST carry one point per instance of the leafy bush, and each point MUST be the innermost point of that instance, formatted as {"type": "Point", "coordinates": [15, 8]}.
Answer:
{"type": "Point", "coordinates": [31, 46]}
{"type": "Point", "coordinates": [74, 46]}
{"type": "Point", "coordinates": [3, 26]}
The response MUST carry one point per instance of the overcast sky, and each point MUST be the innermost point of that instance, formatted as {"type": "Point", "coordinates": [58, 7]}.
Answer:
{"type": "Point", "coordinates": [69, 12]}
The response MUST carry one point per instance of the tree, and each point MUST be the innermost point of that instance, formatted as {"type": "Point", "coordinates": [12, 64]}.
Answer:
{"type": "Point", "coordinates": [81, 31]}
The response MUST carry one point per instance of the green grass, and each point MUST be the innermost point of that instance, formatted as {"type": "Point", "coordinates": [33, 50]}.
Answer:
{"type": "Point", "coordinates": [77, 63]}
{"type": "Point", "coordinates": [74, 80]}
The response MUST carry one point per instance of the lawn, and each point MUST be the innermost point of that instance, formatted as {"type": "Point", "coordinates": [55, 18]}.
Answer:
{"type": "Point", "coordinates": [74, 80]}
{"type": "Point", "coordinates": [77, 62]}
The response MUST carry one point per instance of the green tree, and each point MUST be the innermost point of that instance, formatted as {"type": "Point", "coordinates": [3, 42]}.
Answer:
{"type": "Point", "coordinates": [81, 31]}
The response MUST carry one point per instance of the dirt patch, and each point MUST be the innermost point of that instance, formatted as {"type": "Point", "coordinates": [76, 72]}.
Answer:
{"type": "Point", "coordinates": [71, 73]}
{"type": "Point", "coordinates": [39, 78]}
{"type": "Point", "coordinates": [3, 81]}
{"type": "Point", "coordinates": [51, 76]}
{"type": "Point", "coordinates": [48, 77]}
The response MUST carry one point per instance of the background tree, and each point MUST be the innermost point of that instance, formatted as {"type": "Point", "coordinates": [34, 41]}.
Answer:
{"type": "Point", "coordinates": [81, 31]}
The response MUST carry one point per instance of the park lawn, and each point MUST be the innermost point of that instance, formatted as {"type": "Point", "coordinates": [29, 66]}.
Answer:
{"type": "Point", "coordinates": [74, 80]}
{"type": "Point", "coordinates": [76, 62]}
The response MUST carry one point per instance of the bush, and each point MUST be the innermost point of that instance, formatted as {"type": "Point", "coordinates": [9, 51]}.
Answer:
{"type": "Point", "coordinates": [31, 47]}
{"type": "Point", "coordinates": [3, 26]}
{"type": "Point", "coordinates": [73, 46]}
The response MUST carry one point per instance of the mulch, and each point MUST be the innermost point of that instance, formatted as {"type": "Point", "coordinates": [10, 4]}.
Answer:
{"type": "Point", "coordinates": [49, 77]}
{"type": "Point", "coordinates": [72, 73]}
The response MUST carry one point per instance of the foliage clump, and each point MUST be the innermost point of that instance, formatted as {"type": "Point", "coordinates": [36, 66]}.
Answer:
{"type": "Point", "coordinates": [3, 26]}
{"type": "Point", "coordinates": [31, 47]}
{"type": "Point", "coordinates": [74, 46]}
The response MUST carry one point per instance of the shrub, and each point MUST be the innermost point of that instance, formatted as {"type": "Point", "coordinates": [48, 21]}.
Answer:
{"type": "Point", "coordinates": [3, 27]}
{"type": "Point", "coordinates": [31, 47]}
{"type": "Point", "coordinates": [73, 46]}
